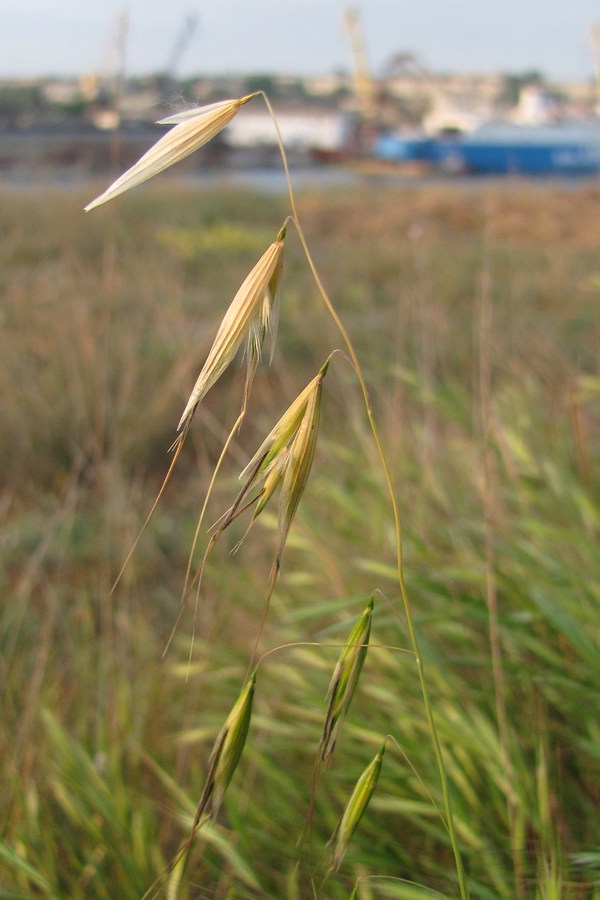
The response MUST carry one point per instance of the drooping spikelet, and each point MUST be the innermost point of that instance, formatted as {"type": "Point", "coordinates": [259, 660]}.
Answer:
{"type": "Point", "coordinates": [284, 459]}
{"type": "Point", "coordinates": [250, 315]}
{"type": "Point", "coordinates": [361, 795]}
{"type": "Point", "coordinates": [344, 680]}
{"type": "Point", "coordinates": [284, 430]}
{"type": "Point", "coordinates": [192, 130]}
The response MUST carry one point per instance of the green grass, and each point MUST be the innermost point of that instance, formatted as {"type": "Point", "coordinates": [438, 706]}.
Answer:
{"type": "Point", "coordinates": [104, 326]}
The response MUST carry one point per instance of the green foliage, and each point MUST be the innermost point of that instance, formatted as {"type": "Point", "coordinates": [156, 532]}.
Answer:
{"type": "Point", "coordinates": [18, 99]}
{"type": "Point", "coordinates": [104, 749]}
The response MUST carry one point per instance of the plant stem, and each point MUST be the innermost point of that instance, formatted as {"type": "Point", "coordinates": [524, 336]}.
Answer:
{"type": "Point", "coordinates": [464, 893]}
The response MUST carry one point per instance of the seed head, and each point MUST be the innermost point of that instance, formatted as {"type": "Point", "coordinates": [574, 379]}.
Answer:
{"type": "Point", "coordinates": [251, 315]}
{"type": "Point", "coordinates": [192, 130]}
{"type": "Point", "coordinates": [285, 458]}
{"type": "Point", "coordinates": [299, 460]}
{"type": "Point", "coordinates": [280, 435]}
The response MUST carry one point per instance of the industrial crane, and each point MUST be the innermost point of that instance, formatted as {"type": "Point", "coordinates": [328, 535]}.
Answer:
{"type": "Point", "coordinates": [378, 108]}
{"type": "Point", "coordinates": [363, 83]}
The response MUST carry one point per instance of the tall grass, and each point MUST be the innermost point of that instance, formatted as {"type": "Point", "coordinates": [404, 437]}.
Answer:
{"type": "Point", "coordinates": [490, 423]}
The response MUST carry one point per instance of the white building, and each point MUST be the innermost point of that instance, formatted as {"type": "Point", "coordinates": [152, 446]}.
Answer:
{"type": "Point", "coordinates": [302, 129]}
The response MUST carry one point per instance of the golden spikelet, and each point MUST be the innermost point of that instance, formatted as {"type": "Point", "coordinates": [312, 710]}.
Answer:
{"type": "Point", "coordinates": [284, 459]}
{"type": "Point", "coordinates": [250, 315]}
{"type": "Point", "coordinates": [299, 459]}
{"type": "Point", "coordinates": [280, 435]}
{"type": "Point", "coordinates": [192, 130]}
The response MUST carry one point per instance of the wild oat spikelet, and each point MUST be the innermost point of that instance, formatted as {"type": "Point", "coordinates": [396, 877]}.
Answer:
{"type": "Point", "coordinates": [344, 680]}
{"type": "Point", "coordinates": [251, 314]}
{"type": "Point", "coordinates": [192, 130]}
{"type": "Point", "coordinates": [361, 795]}
{"type": "Point", "coordinates": [284, 459]}
{"type": "Point", "coordinates": [299, 460]}
{"type": "Point", "coordinates": [282, 433]}
{"type": "Point", "coordinates": [226, 752]}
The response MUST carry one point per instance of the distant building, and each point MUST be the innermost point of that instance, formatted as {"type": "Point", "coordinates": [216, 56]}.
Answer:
{"type": "Point", "coordinates": [314, 112]}
{"type": "Point", "coordinates": [301, 129]}
{"type": "Point", "coordinates": [61, 92]}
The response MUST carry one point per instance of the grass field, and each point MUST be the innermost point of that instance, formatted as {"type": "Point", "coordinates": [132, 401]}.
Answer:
{"type": "Point", "coordinates": [474, 312]}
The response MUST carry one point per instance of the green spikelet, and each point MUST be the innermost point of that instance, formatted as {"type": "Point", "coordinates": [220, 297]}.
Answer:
{"type": "Point", "coordinates": [344, 681]}
{"type": "Point", "coordinates": [226, 752]}
{"type": "Point", "coordinates": [361, 795]}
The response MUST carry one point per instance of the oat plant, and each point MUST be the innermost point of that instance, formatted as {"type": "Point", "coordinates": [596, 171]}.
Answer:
{"type": "Point", "coordinates": [282, 463]}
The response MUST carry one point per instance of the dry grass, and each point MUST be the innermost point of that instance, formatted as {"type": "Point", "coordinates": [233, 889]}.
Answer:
{"type": "Point", "coordinates": [104, 749]}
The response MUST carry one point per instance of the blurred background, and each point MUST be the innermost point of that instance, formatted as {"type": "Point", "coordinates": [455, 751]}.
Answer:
{"type": "Point", "coordinates": [446, 176]}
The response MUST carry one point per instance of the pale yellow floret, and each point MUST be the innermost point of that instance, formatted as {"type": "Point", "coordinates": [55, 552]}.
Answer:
{"type": "Point", "coordinates": [282, 432]}
{"type": "Point", "coordinates": [299, 463]}
{"type": "Point", "coordinates": [252, 303]}
{"type": "Point", "coordinates": [192, 130]}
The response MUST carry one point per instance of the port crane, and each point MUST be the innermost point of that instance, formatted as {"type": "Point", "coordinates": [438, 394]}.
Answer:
{"type": "Point", "coordinates": [363, 82]}
{"type": "Point", "coordinates": [379, 108]}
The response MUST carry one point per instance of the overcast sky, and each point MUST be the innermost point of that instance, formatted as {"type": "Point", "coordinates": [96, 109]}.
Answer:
{"type": "Point", "coordinates": [41, 37]}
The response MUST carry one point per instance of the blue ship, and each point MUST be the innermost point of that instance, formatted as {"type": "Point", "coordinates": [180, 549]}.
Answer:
{"type": "Point", "coordinates": [502, 148]}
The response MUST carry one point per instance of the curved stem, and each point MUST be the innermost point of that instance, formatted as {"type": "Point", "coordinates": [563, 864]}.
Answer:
{"type": "Point", "coordinates": [464, 893]}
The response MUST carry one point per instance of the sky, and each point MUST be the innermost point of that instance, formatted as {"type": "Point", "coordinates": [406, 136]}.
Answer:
{"type": "Point", "coordinates": [71, 37]}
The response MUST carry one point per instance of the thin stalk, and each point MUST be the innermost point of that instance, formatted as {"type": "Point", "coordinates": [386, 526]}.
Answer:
{"type": "Point", "coordinates": [464, 892]}
{"type": "Point", "coordinates": [186, 585]}
{"type": "Point", "coordinates": [177, 448]}
{"type": "Point", "coordinates": [235, 428]}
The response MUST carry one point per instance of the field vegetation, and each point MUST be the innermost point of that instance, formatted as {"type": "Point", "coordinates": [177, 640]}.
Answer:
{"type": "Point", "coordinates": [474, 312]}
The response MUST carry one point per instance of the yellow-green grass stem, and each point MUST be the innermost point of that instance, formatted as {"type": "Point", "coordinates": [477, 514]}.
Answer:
{"type": "Point", "coordinates": [464, 892]}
